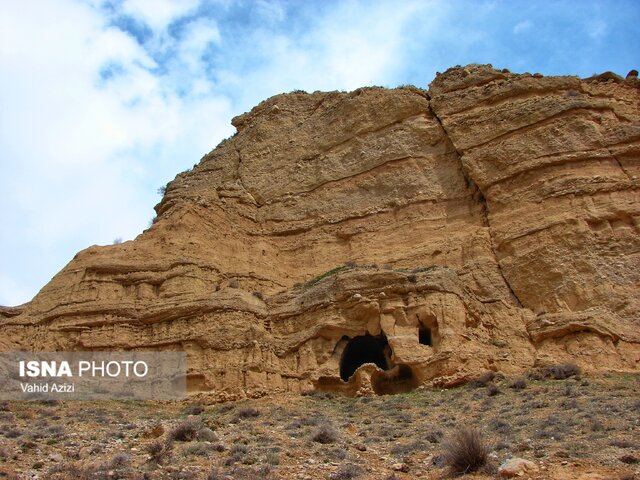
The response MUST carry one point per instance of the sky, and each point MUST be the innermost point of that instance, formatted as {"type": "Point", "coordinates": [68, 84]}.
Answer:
{"type": "Point", "coordinates": [104, 102]}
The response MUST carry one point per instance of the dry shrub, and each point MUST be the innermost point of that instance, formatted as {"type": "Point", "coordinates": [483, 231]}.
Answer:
{"type": "Point", "coordinates": [159, 451]}
{"type": "Point", "coordinates": [347, 472]}
{"type": "Point", "coordinates": [318, 394]}
{"type": "Point", "coordinates": [629, 459]}
{"type": "Point", "coordinates": [561, 371]}
{"type": "Point", "coordinates": [483, 380]}
{"type": "Point", "coordinates": [185, 431]}
{"type": "Point", "coordinates": [325, 434]}
{"type": "Point", "coordinates": [119, 460]}
{"type": "Point", "coordinates": [193, 409]}
{"type": "Point", "coordinates": [492, 390]}
{"type": "Point", "coordinates": [465, 451]}
{"type": "Point", "coordinates": [519, 383]}
{"type": "Point", "coordinates": [117, 468]}
{"type": "Point", "coordinates": [245, 413]}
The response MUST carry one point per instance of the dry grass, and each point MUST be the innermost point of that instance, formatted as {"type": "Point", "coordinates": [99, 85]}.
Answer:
{"type": "Point", "coordinates": [465, 450]}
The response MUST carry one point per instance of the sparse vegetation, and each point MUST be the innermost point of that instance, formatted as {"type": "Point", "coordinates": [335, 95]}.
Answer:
{"type": "Point", "coordinates": [319, 278]}
{"type": "Point", "coordinates": [273, 458]}
{"type": "Point", "coordinates": [434, 436]}
{"type": "Point", "coordinates": [347, 472]}
{"type": "Point", "coordinates": [483, 380]}
{"type": "Point", "coordinates": [159, 451]}
{"type": "Point", "coordinates": [194, 409]}
{"type": "Point", "coordinates": [549, 422]}
{"type": "Point", "coordinates": [258, 295]}
{"type": "Point", "coordinates": [318, 394]}
{"type": "Point", "coordinates": [492, 390]}
{"type": "Point", "coordinates": [185, 431]}
{"type": "Point", "coordinates": [199, 449]}
{"type": "Point", "coordinates": [561, 371]}
{"type": "Point", "coordinates": [244, 413]}
{"type": "Point", "coordinates": [519, 383]}
{"type": "Point", "coordinates": [118, 467]}
{"type": "Point", "coordinates": [120, 460]}
{"type": "Point", "coordinates": [11, 432]}
{"type": "Point", "coordinates": [236, 454]}
{"type": "Point", "coordinates": [215, 475]}
{"type": "Point", "coordinates": [629, 459]}
{"type": "Point", "coordinates": [406, 448]}
{"type": "Point", "coordinates": [325, 434]}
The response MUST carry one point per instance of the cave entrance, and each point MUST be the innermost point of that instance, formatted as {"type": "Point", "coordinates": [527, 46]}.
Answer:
{"type": "Point", "coordinates": [361, 350]}
{"type": "Point", "coordinates": [424, 335]}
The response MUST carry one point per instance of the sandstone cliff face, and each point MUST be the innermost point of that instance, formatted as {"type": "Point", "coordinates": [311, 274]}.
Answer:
{"type": "Point", "coordinates": [491, 222]}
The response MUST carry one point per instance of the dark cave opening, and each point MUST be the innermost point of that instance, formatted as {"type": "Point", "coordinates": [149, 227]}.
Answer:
{"type": "Point", "coordinates": [361, 350]}
{"type": "Point", "coordinates": [424, 336]}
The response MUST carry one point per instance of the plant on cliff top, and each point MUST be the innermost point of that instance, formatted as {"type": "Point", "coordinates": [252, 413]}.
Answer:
{"type": "Point", "coordinates": [333, 271]}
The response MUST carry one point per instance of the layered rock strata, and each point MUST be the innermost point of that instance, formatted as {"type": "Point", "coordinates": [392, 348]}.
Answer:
{"type": "Point", "coordinates": [378, 240]}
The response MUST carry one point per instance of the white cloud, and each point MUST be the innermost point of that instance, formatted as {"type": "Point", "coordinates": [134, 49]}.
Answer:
{"type": "Point", "coordinates": [79, 152]}
{"type": "Point", "coordinates": [270, 11]}
{"type": "Point", "coordinates": [351, 45]}
{"type": "Point", "coordinates": [196, 38]}
{"type": "Point", "coordinates": [158, 14]}
{"type": "Point", "coordinates": [199, 34]}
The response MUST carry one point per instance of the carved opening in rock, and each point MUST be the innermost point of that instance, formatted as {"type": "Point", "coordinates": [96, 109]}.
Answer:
{"type": "Point", "coordinates": [428, 331]}
{"type": "Point", "coordinates": [361, 350]}
{"type": "Point", "coordinates": [398, 380]}
{"type": "Point", "coordinates": [424, 335]}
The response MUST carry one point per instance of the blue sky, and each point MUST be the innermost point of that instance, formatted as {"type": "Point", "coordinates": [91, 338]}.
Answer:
{"type": "Point", "coordinates": [103, 102]}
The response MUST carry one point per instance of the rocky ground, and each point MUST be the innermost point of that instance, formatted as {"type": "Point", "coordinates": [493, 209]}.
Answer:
{"type": "Point", "coordinates": [572, 428]}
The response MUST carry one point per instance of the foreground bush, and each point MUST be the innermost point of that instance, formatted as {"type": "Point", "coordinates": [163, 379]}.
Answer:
{"type": "Point", "coordinates": [465, 451]}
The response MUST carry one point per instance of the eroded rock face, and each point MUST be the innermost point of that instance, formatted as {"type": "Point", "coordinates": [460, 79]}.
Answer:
{"type": "Point", "coordinates": [491, 222]}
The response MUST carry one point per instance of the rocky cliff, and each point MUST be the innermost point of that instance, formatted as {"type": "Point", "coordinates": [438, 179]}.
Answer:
{"type": "Point", "coordinates": [381, 239]}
